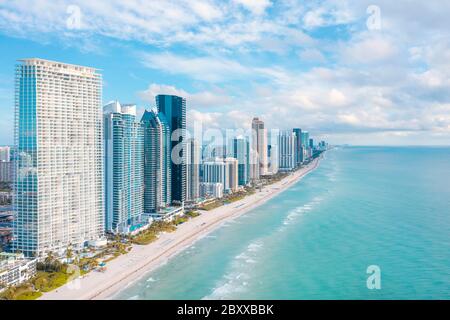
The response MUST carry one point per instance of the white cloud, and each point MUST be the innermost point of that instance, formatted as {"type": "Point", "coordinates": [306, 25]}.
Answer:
{"type": "Point", "coordinates": [257, 7]}
{"type": "Point", "coordinates": [312, 55]}
{"type": "Point", "coordinates": [206, 10]}
{"type": "Point", "coordinates": [369, 48]}
{"type": "Point", "coordinates": [202, 99]}
{"type": "Point", "coordinates": [199, 68]}
{"type": "Point", "coordinates": [248, 58]}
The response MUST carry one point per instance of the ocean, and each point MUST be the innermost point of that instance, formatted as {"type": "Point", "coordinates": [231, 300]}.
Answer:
{"type": "Point", "coordinates": [385, 207]}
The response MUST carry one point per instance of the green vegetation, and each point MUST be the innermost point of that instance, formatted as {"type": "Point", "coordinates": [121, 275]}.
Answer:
{"type": "Point", "coordinates": [192, 214]}
{"type": "Point", "coordinates": [230, 198]}
{"type": "Point", "coordinates": [29, 295]}
{"type": "Point", "coordinates": [48, 281]}
{"type": "Point", "coordinates": [42, 282]}
{"type": "Point", "coordinates": [211, 205]}
{"type": "Point", "coordinates": [22, 292]}
{"type": "Point", "coordinates": [53, 274]}
{"type": "Point", "coordinates": [151, 234]}
{"type": "Point", "coordinates": [180, 220]}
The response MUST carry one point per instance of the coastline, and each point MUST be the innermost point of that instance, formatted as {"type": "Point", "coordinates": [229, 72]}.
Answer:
{"type": "Point", "coordinates": [142, 259]}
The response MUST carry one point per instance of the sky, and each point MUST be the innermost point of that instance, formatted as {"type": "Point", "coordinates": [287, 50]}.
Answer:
{"type": "Point", "coordinates": [358, 72]}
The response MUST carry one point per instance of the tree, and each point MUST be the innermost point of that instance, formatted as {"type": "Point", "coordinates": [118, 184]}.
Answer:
{"type": "Point", "coordinates": [69, 252]}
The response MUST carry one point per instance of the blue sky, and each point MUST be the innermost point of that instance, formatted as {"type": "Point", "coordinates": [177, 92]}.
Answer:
{"type": "Point", "coordinates": [358, 72]}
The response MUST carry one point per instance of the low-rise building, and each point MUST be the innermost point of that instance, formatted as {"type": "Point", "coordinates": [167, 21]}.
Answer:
{"type": "Point", "coordinates": [6, 171]}
{"type": "Point", "coordinates": [167, 214]}
{"type": "Point", "coordinates": [211, 189]}
{"type": "Point", "coordinates": [15, 269]}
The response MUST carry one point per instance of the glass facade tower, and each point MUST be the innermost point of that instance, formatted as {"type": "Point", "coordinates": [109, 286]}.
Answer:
{"type": "Point", "coordinates": [157, 164]}
{"type": "Point", "coordinates": [124, 168]}
{"type": "Point", "coordinates": [174, 110]}
{"type": "Point", "coordinates": [241, 151]}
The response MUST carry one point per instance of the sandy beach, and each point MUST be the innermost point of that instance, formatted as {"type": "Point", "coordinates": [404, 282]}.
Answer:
{"type": "Point", "coordinates": [126, 269]}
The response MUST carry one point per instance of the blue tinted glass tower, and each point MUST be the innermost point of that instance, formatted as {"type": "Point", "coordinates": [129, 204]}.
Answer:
{"type": "Point", "coordinates": [157, 164]}
{"type": "Point", "coordinates": [298, 146]}
{"type": "Point", "coordinates": [174, 110]}
{"type": "Point", "coordinates": [241, 152]}
{"type": "Point", "coordinates": [124, 168]}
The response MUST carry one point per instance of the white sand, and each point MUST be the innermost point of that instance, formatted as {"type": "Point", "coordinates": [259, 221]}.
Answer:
{"type": "Point", "coordinates": [126, 269]}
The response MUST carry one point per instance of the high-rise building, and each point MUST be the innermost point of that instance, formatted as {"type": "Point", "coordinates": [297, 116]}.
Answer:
{"type": "Point", "coordinates": [174, 109]}
{"type": "Point", "coordinates": [214, 171]}
{"type": "Point", "coordinates": [231, 173]}
{"type": "Point", "coordinates": [213, 150]}
{"type": "Point", "coordinates": [6, 165]}
{"type": "Point", "coordinates": [286, 150]}
{"type": "Point", "coordinates": [124, 168]}
{"type": "Point", "coordinates": [192, 170]}
{"type": "Point", "coordinates": [311, 143]}
{"type": "Point", "coordinates": [273, 156]}
{"type": "Point", "coordinates": [272, 152]}
{"type": "Point", "coordinates": [258, 150]}
{"type": "Point", "coordinates": [241, 152]}
{"type": "Point", "coordinates": [298, 146]}
{"type": "Point", "coordinates": [5, 154]}
{"type": "Point", "coordinates": [6, 171]}
{"type": "Point", "coordinates": [305, 145]}
{"type": "Point", "coordinates": [224, 171]}
{"type": "Point", "coordinates": [211, 189]}
{"type": "Point", "coordinates": [58, 190]}
{"type": "Point", "coordinates": [157, 164]}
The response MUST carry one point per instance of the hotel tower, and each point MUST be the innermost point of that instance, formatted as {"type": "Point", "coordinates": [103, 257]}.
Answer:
{"type": "Point", "coordinates": [58, 190]}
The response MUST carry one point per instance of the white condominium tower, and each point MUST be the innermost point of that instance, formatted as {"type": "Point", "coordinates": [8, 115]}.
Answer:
{"type": "Point", "coordinates": [224, 171]}
{"type": "Point", "coordinates": [258, 149]}
{"type": "Point", "coordinates": [58, 193]}
{"type": "Point", "coordinates": [232, 173]}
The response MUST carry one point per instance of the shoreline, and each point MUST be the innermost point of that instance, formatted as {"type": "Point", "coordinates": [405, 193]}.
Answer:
{"type": "Point", "coordinates": [126, 269]}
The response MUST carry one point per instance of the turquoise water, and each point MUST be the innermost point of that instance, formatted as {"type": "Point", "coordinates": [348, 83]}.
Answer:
{"type": "Point", "coordinates": [363, 206]}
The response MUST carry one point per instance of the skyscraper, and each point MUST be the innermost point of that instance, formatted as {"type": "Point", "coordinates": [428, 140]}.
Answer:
{"type": "Point", "coordinates": [258, 150]}
{"type": "Point", "coordinates": [221, 170]}
{"type": "Point", "coordinates": [273, 156]}
{"type": "Point", "coordinates": [305, 145]}
{"type": "Point", "coordinates": [192, 170]}
{"type": "Point", "coordinates": [214, 171]}
{"type": "Point", "coordinates": [286, 146]}
{"type": "Point", "coordinates": [174, 109]}
{"type": "Point", "coordinates": [241, 151]}
{"type": "Point", "coordinates": [58, 193]}
{"type": "Point", "coordinates": [5, 154]}
{"type": "Point", "coordinates": [298, 147]}
{"type": "Point", "coordinates": [124, 167]}
{"type": "Point", "coordinates": [6, 171]}
{"type": "Point", "coordinates": [272, 152]}
{"type": "Point", "coordinates": [231, 173]}
{"type": "Point", "coordinates": [157, 164]}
